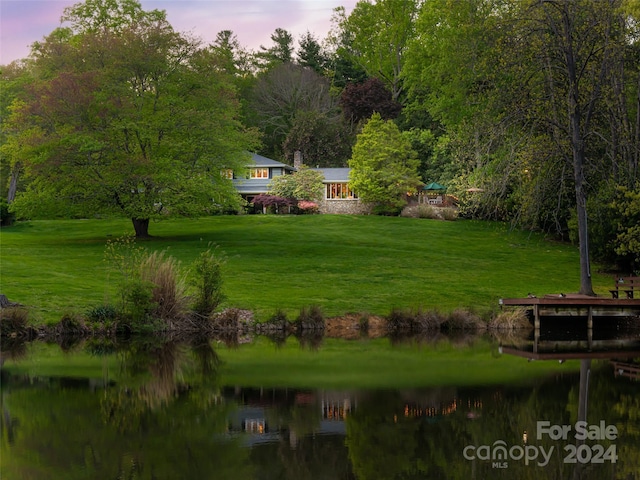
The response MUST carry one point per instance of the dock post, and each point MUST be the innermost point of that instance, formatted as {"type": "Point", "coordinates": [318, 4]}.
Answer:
{"type": "Point", "coordinates": [590, 328]}
{"type": "Point", "coordinates": [536, 327]}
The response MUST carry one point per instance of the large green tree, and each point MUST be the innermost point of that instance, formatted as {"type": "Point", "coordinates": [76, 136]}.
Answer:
{"type": "Point", "coordinates": [282, 95]}
{"type": "Point", "coordinates": [384, 167]}
{"type": "Point", "coordinates": [126, 116]}
{"type": "Point", "coordinates": [13, 80]}
{"type": "Point", "coordinates": [324, 140]}
{"type": "Point", "coordinates": [379, 32]}
{"type": "Point", "coordinates": [576, 46]}
{"type": "Point", "coordinates": [539, 99]}
{"type": "Point", "coordinates": [281, 51]}
{"type": "Point", "coordinates": [305, 184]}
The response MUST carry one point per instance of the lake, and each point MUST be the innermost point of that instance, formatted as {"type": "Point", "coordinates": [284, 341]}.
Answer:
{"type": "Point", "coordinates": [556, 406]}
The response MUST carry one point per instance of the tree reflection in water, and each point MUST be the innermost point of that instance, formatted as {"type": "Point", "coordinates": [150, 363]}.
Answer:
{"type": "Point", "coordinates": [169, 416]}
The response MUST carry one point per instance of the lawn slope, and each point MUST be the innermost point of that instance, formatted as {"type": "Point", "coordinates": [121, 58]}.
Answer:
{"type": "Point", "coordinates": [341, 263]}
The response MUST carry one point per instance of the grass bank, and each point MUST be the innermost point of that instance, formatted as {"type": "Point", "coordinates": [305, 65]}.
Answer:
{"type": "Point", "coordinates": [340, 263]}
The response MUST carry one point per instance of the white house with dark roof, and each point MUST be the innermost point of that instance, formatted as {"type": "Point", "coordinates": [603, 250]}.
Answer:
{"type": "Point", "coordinates": [338, 197]}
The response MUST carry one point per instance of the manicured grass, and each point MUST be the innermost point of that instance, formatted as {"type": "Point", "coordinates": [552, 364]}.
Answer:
{"type": "Point", "coordinates": [341, 263]}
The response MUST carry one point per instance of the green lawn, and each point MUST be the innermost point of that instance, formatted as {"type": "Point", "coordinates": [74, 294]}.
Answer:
{"type": "Point", "coordinates": [342, 263]}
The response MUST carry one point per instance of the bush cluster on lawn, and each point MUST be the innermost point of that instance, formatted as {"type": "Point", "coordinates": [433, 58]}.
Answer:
{"type": "Point", "coordinates": [14, 321]}
{"type": "Point", "coordinates": [308, 207]}
{"type": "Point", "coordinates": [153, 293]}
{"type": "Point", "coordinates": [428, 211]}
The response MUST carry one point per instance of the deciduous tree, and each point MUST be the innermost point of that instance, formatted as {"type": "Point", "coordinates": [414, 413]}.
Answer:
{"type": "Point", "coordinates": [324, 141]}
{"type": "Point", "coordinates": [384, 168]}
{"type": "Point", "coordinates": [379, 34]}
{"type": "Point", "coordinates": [127, 116]}
{"type": "Point", "coordinates": [360, 100]}
{"type": "Point", "coordinates": [577, 48]}
{"type": "Point", "coordinates": [282, 94]}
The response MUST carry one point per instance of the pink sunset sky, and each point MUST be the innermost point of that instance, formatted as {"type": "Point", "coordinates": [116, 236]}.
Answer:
{"type": "Point", "coordinates": [23, 22]}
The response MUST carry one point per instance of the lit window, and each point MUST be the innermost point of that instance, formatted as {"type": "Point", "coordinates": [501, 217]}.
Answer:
{"type": "Point", "coordinates": [259, 173]}
{"type": "Point", "coordinates": [227, 173]}
{"type": "Point", "coordinates": [340, 191]}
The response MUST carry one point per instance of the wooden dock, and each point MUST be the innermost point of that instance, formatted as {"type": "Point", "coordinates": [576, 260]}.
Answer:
{"type": "Point", "coordinates": [575, 305]}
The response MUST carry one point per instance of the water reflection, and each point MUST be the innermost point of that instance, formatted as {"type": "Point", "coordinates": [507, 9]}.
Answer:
{"type": "Point", "coordinates": [159, 409]}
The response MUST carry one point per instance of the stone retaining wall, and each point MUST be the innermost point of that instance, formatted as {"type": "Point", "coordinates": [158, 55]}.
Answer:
{"type": "Point", "coordinates": [344, 206]}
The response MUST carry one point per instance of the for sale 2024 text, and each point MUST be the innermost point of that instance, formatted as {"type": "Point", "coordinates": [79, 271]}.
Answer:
{"type": "Point", "coordinates": [500, 453]}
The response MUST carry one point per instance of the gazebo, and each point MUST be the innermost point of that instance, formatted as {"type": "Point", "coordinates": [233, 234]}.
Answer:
{"type": "Point", "coordinates": [433, 193]}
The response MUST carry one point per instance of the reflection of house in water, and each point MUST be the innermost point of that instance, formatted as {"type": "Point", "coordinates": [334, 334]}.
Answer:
{"type": "Point", "coordinates": [467, 405]}
{"type": "Point", "coordinates": [336, 406]}
{"type": "Point", "coordinates": [251, 423]}
{"type": "Point", "coordinates": [262, 416]}
{"type": "Point", "coordinates": [267, 415]}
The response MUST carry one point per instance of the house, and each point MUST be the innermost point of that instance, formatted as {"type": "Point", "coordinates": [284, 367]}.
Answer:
{"type": "Point", "coordinates": [338, 197]}
{"type": "Point", "coordinates": [260, 172]}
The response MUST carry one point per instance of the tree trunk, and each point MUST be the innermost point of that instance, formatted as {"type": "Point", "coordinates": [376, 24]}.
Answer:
{"type": "Point", "coordinates": [141, 227]}
{"type": "Point", "coordinates": [13, 183]}
{"type": "Point", "coordinates": [578, 150]}
{"type": "Point", "coordinates": [586, 287]}
{"type": "Point", "coordinates": [577, 141]}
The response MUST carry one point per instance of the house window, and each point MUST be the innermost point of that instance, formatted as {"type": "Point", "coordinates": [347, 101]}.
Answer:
{"type": "Point", "coordinates": [259, 173]}
{"type": "Point", "coordinates": [340, 191]}
{"type": "Point", "coordinates": [227, 173]}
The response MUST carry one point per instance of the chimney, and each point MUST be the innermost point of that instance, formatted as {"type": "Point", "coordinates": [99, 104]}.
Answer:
{"type": "Point", "coordinates": [297, 160]}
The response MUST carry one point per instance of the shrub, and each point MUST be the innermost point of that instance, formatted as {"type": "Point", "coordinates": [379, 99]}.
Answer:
{"type": "Point", "coordinates": [71, 324]}
{"type": "Point", "coordinates": [426, 211]}
{"type": "Point", "coordinates": [400, 320]}
{"type": "Point", "coordinates": [310, 318]}
{"type": "Point", "coordinates": [427, 320]}
{"type": "Point", "coordinates": [403, 320]}
{"type": "Point", "coordinates": [207, 278]}
{"type": "Point", "coordinates": [264, 200]}
{"type": "Point", "coordinates": [168, 291]}
{"type": "Point", "coordinates": [138, 303]}
{"type": "Point", "coordinates": [363, 322]}
{"type": "Point", "coordinates": [278, 320]}
{"type": "Point", "coordinates": [448, 213]}
{"type": "Point", "coordinates": [512, 318]}
{"type": "Point", "coordinates": [102, 317]}
{"type": "Point", "coordinates": [14, 320]}
{"type": "Point", "coordinates": [306, 206]}
{"type": "Point", "coordinates": [102, 313]}
{"type": "Point", "coordinates": [461, 319]}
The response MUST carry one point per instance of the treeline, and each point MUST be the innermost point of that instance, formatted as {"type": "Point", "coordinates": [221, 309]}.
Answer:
{"type": "Point", "coordinates": [528, 110]}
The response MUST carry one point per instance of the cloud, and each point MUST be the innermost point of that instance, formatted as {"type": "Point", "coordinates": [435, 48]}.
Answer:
{"type": "Point", "coordinates": [23, 22]}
